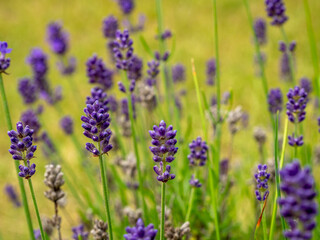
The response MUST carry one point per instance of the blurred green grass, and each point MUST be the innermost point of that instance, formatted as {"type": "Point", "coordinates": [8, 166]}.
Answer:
{"type": "Point", "coordinates": [23, 25]}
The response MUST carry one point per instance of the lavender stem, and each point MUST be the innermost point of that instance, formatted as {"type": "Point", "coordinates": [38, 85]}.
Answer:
{"type": "Point", "coordinates": [163, 193]}
{"type": "Point", "coordinates": [43, 236]}
{"type": "Point", "coordinates": [105, 193]}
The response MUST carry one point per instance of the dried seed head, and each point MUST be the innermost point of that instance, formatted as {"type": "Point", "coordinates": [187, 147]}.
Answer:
{"type": "Point", "coordinates": [53, 178]}
{"type": "Point", "coordinates": [133, 215]}
{"type": "Point", "coordinates": [99, 231]}
{"type": "Point", "coordinates": [259, 135]}
{"type": "Point", "coordinates": [178, 233]}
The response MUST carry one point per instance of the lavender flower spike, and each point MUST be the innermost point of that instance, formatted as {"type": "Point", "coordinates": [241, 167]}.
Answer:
{"type": "Point", "coordinates": [262, 178]}
{"type": "Point", "coordinates": [195, 182]}
{"type": "Point", "coordinates": [110, 26]}
{"type": "Point", "coordinates": [295, 142]}
{"type": "Point", "coordinates": [79, 233]}
{"type": "Point", "coordinates": [66, 124]}
{"type": "Point", "coordinates": [296, 105]}
{"type": "Point", "coordinates": [178, 73]}
{"type": "Point", "coordinates": [260, 30]}
{"type": "Point", "coordinates": [12, 195]}
{"type": "Point", "coordinates": [22, 149]}
{"type": "Point", "coordinates": [298, 206]}
{"type": "Point", "coordinates": [123, 50]}
{"type": "Point", "coordinates": [276, 10]}
{"type": "Point", "coordinates": [211, 71]}
{"type": "Point", "coordinates": [126, 6]}
{"type": "Point", "coordinates": [199, 151]}
{"type": "Point", "coordinates": [57, 38]}
{"type": "Point", "coordinates": [153, 71]}
{"type": "Point", "coordinates": [275, 100]}
{"type": "Point", "coordinates": [27, 90]}
{"type": "Point", "coordinates": [140, 232]}
{"type": "Point", "coordinates": [96, 122]}
{"type": "Point", "coordinates": [164, 149]}
{"type": "Point", "coordinates": [4, 62]}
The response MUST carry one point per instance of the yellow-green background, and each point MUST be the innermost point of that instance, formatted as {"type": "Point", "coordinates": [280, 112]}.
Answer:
{"type": "Point", "coordinates": [23, 26]}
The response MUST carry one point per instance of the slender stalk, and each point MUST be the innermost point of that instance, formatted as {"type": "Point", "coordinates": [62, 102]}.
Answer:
{"type": "Point", "coordinates": [56, 209]}
{"type": "Point", "coordinates": [105, 193]}
{"type": "Point", "coordinates": [135, 146]}
{"type": "Point", "coordinates": [219, 131]}
{"type": "Point", "coordinates": [163, 193]}
{"type": "Point", "coordinates": [36, 208]}
{"type": "Point", "coordinates": [289, 53]}
{"type": "Point", "coordinates": [276, 167]}
{"type": "Point", "coordinates": [313, 48]}
{"type": "Point", "coordinates": [16, 163]}
{"type": "Point", "coordinates": [264, 224]}
{"type": "Point", "coordinates": [190, 205]}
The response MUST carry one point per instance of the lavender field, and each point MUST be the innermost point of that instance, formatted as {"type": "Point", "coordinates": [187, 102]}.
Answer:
{"type": "Point", "coordinates": [144, 120]}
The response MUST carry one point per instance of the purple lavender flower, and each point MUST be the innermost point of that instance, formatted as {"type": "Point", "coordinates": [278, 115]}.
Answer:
{"type": "Point", "coordinates": [66, 124]}
{"type": "Point", "coordinates": [140, 232]}
{"type": "Point", "coordinates": [38, 61]}
{"type": "Point", "coordinates": [113, 103]}
{"type": "Point", "coordinates": [164, 149]}
{"type": "Point", "coordinates": [97, 72]}
{"type": "Point", "coordinates": [211, 71]}
{"type": "Point", "coordinates": [126, 6]}
{"type": "Point", "coordinates": [135, 68]}
{"type": "Point", "coordinates": [285, 68]}
{"type": "Point", "coordinates": [296, 105]}
{"type": "Point", "coordinates": [125, 107]}
{"type": "Point", "coordinates": [123, 50]}
{"type": "Point", "coordinates": [295, 142]}
{"type": "Point", "coordinates": [96, 122]}
{"type": "Point", "coordinates": [305, 83]}
{"type": "Point", "coordinates": [275, 100]}
{"type": "Point", "coordinates": [67, 68]}
{"type": "Point", "coordinates": [79, 233]}
{"type": "Point", "coordinates": [276, 10]}
{"type": "Point", "coordinates": [27, 90]}
{"type": "Point", "coordinates": [164, 57]}
{"type": "Point", "coordinates": [110, 26]}
{"type": "Point", "coordinates": [4, 62]}
{"type": "Point", "coordinates": [153, 71]}
{"type": "Point", "coordinates": [165, 35]}
{"type": "Point", "coordinates": [57, 38]}
{"type": "Point", "coordinates": [12, 195]}
{"type": "Point", "coordinates": [298, 206]}
{"type": "Point", "coordinates": [37, 234]}
{"type": "Point", "coordinates": [260, 29]}
{"type": "Point", "coordinates": [198, 152]}
{"type": "Point", "coordinates": [30, 118]}
{"type": "Point", "coordinates": [22, 149]}
{"type": "Point", "coordinates": [178, 73]}
{"type": "Point", "coordinates": [262, 178]}
{"type": "Point", "coordinates": [194, 182]}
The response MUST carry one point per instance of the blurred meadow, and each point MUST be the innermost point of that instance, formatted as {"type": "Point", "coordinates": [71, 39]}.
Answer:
{"type": "Point", "coordinates": [23, 26]}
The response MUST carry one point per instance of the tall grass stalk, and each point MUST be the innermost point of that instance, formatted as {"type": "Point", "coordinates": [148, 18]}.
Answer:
{"type": "Point", "coordinates": [105, 192]}
{"type": "Point", "coordinates": [218, 126]}
{"type": "Point", "coordinates": [313, 48]}
{"type": "Point", "coordinates": [16, 163]}
{"type": "Point", "coordinates": [277, 192]}
{"type": "Point", "coordinates": [163, 194]}
{"type": "Point", "coordinates": [43, 236]}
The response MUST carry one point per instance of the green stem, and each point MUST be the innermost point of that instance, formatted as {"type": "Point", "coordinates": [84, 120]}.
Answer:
{"type": "Point", "coordinates": [313, 48]}
{"type": "Point", "coordinates": [105, 193]}
{"type": "Point", "coordinates": [16, 163]}
{"type": "Point", "coordinates": [219, 131]}
{"type": "Point", "coordinates": [36, 209]}
{"type": "Point", "coordinates": [190, 205]}
{"type": "Point", "coordinates": [163, 193]}
{"type": "Point", "coordinates": [289, 53]}
{"type": "Point", "coordinates": [276, 165]}
{"type": "Point", "coordinates": [264, 224]}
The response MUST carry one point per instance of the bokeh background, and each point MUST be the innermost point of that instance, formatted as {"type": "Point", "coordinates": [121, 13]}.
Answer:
{"type": "Point", "coordinates": [23, 26]}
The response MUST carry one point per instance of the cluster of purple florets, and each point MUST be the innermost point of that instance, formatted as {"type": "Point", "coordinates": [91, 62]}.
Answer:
{"type": "Point", "coordinates": [140, 232]}
{"type": "Point", "coordinates": [211, 71]}
{"type": "Point", "coordinates": [262, 177]}
{"type": "Point", "coordinates": [96, 122]}
{"type": "Point", "coordinates": [260, 29]}
{"type": "Point", "coordinates": [4, 62]}
{"type": "Point", "coordinates": [296, 105]}
{"type": "Point", "coordinates": [123, 50]}
{"type": "Point", "coordinates": [276, 10]}
{"type": "Point", "coordinates": [198, 152]}
{"type": "Point", "coordinates": [298, 206]}
{"type": "Point", "coordinates": [79, 233]}
{"type": "Point", "coordinates": [66, 124]}
{"type": "Point", "coordinates": [153, 71]}
{"type": "Point", "coordinates": [163, 141]}
{"type": "Point", "coordinates": [295, 141]}
{"type": "Point", "coordinates": [98, 73]}
{"type": "Point", "coordinates": [275, 100]}
{"type": "Point", "coordinates": [22, 149]}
